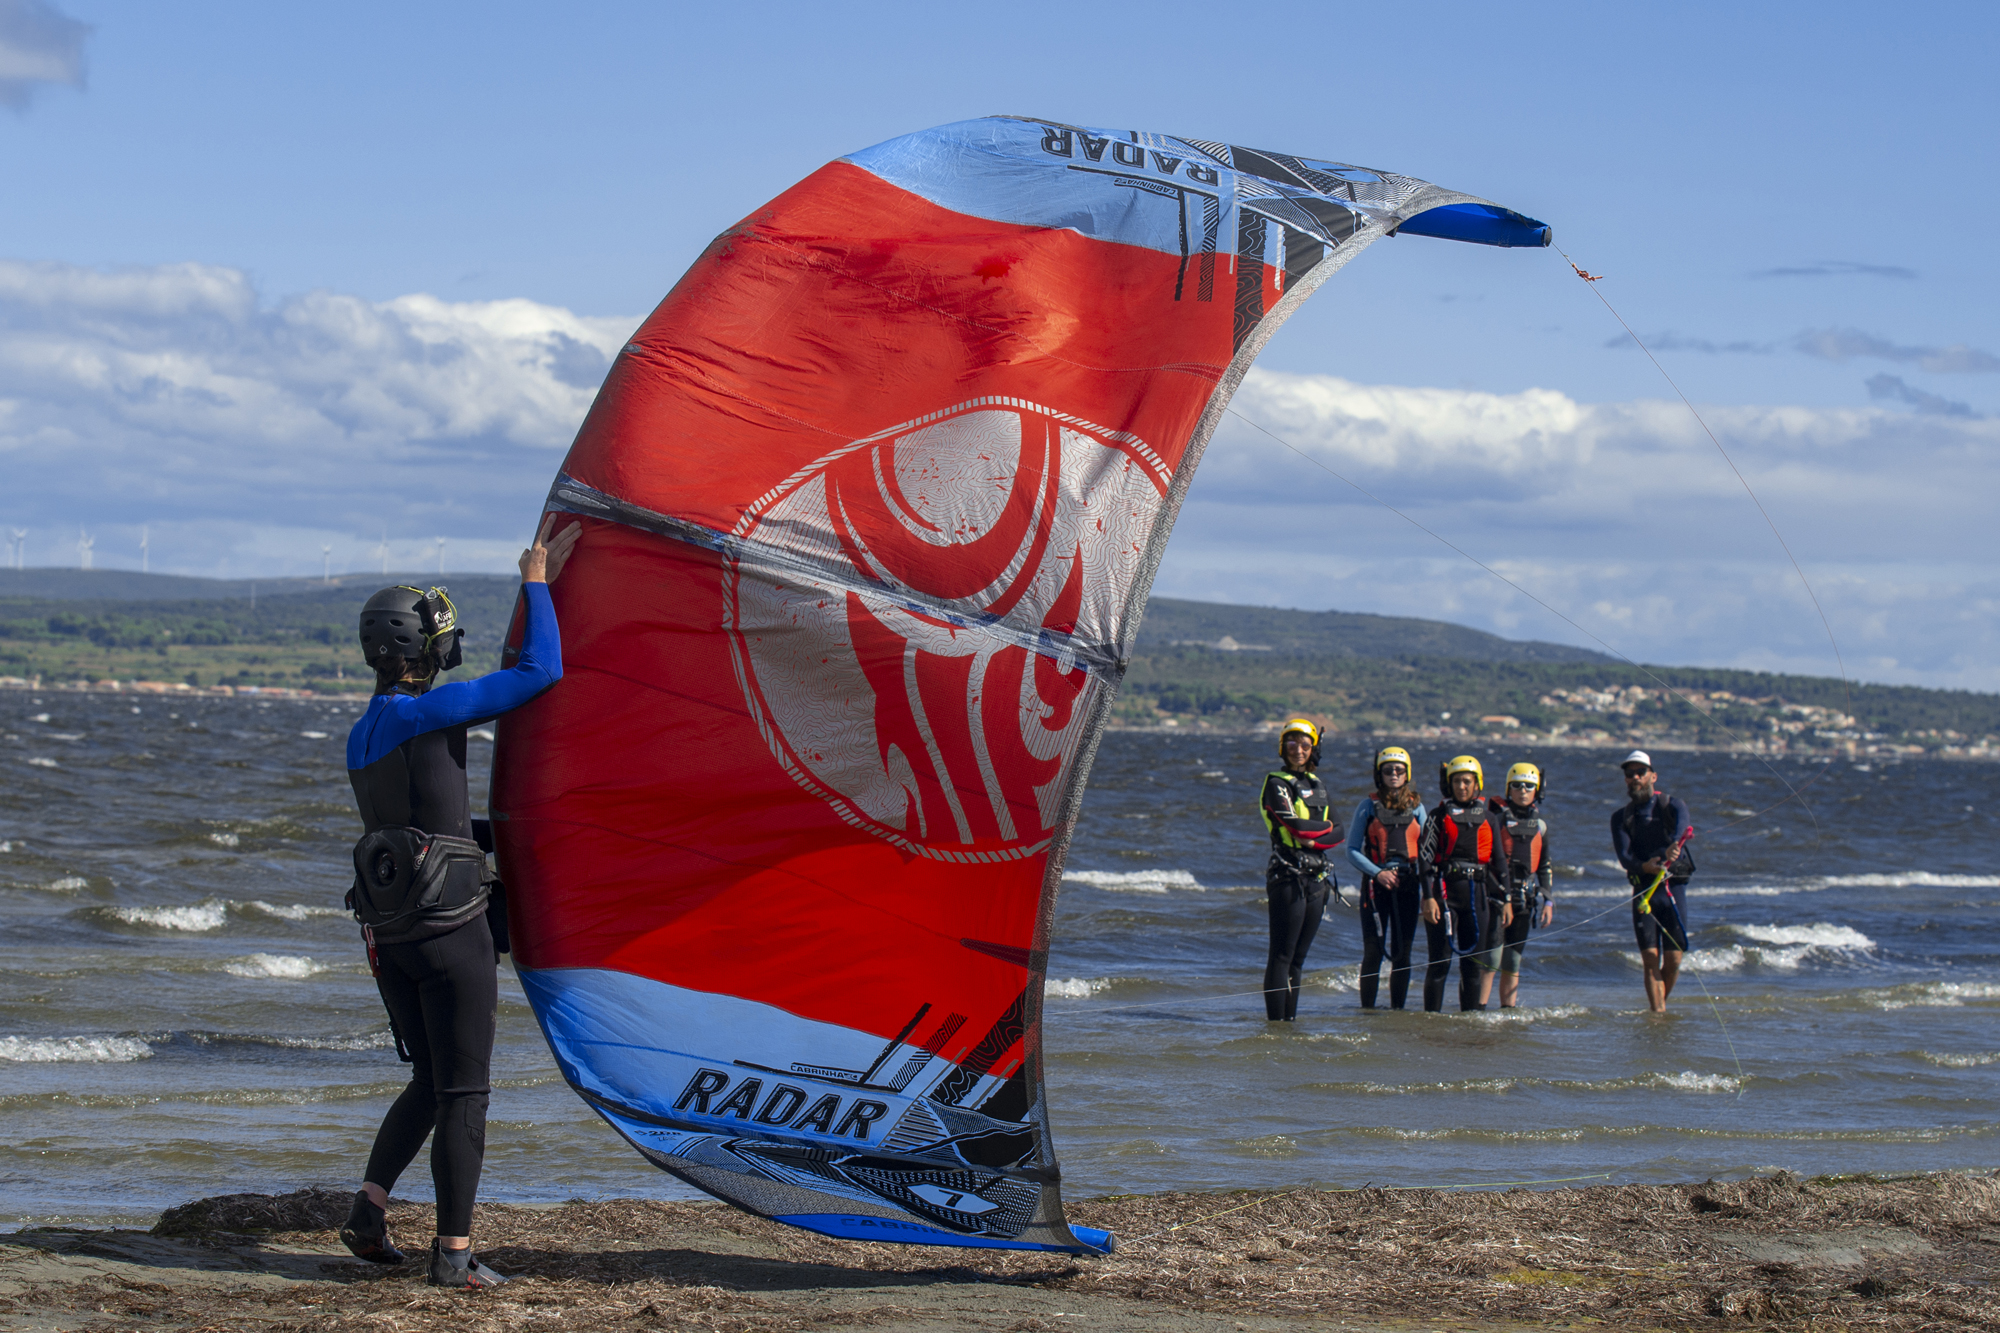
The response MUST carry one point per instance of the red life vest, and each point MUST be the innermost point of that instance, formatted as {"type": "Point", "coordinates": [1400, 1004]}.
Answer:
{"type": "Point", "coordinates": [1520, 841]}
{"type": "Point", "coordinates": [1466, 835]}
{"type": "Point", "coordinates": [1392, 835]}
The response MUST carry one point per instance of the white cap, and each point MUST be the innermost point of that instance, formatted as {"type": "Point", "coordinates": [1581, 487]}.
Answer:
{"type": "Point", "coordinates": [1637, 757]}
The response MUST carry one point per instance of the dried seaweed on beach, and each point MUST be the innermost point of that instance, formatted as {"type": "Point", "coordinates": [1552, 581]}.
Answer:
{"type": "Point", "coordinates": [1778, 1252]}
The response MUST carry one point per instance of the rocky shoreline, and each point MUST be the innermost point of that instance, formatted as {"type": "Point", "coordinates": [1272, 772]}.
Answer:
{"type": "Point", "coordinates": [1777, 1253]}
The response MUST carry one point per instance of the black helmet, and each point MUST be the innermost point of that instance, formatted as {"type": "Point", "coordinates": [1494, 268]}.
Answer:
{"type": "Point", "coordinates": [410, 624]}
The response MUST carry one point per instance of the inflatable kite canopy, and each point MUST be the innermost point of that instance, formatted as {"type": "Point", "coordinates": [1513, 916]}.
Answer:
{"type": "Point", "coordinates": [872, 504]}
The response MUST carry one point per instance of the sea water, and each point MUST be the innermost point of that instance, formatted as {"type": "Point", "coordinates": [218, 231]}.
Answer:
{"type": "Point", "coordinates": [185, 1009]}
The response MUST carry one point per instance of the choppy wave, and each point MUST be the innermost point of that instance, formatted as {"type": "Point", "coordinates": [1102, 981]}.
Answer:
{"type": "Point", "coordinates": [1702, 891]}
{"type": "Point", "coordinates": [206, 915]}
{"type": "Point", "coordinates": [1822, 935]}
{"type": "Point", "coordinates": [1133, 881]}
{"type": "Point", "coordinates": [1075, 988]}
{"type": "Point", "coordinates": [73, 1050]}
{"type": "Point", "coordinates": [274, 966]}
{"type": "Point", "coordinates": [225, 839]}
{"type": "Point", "coordinates": [1528, 1013]}
{"type": "Point", "coordinates": [41, 762]}
{"type": "Point", "coordinates": [1950, 1061]}
{"type": "Point", "coordinates": [209, 914]}
{"type": "Point", "coordinates": [67, 884]}
{"type": "Point", "coordinates": [1912, 879]}
{"type": "Point", "coordinates": [287, 911]}
{"type": "Point", "coordinates": [313, 735]}
{"type": "Point", "coordinates": [1686, 1081]}
{"type": "Point", "coordinates": [342, 1041]}
{"type": "Point", "coordinates": [1776, 949]}
{"type": "Point", "coordinates": [1931, 995]}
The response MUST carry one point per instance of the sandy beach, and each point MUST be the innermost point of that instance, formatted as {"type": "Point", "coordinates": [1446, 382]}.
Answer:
{"type": "Point", "coordinates": [1775, 1252]}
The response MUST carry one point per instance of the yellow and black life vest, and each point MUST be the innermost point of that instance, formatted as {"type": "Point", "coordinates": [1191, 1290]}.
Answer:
{"type": "Point", "coordinates": [1308, 799]}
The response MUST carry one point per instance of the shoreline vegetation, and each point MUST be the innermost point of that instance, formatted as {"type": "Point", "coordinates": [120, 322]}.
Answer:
{"type": "Point", "coordinates": [1197, 667]}
{"type": "Point", "coordinates": [1773, 1252]}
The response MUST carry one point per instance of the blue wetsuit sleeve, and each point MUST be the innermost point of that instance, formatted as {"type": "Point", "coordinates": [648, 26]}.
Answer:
{"type": "Point", "coordinates": [1357, 837]}
{"type": "Point", "coordinates": [392, 719]}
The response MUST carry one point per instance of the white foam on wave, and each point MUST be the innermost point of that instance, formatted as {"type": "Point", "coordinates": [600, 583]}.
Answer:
{"type": "Point", "coordinates": [1133, 881]}
{"type": "Point", "coordinates": [73, 1050]}
{"type": "Point", "coordinates": [225, 839]}
{"type": "Point", "coordinates": [291, 911]}
{"type": "Point", "coordinates": [39, 762]}
{"type": "Point", "coordinates": [1932, 995]}
{"type": "Point", "coordinates": [1406, 1089]}
{"type": "Point", "coordinates": [274, 966]}
{"type": "Point", "coordinates": [1823, 935]}
{"type": "Point", "coordinates": [1950, 1061]}
{"type": "Point", "coordinates": [1689, 1081]}
{"type": "Point", "coordinates": [313, 735]}
{"type": "Point", "coordinates": [1912, 879]}
{"type": "Point", "coordinates": [67, 884]}
{"type": "Point", "coordinates": [1075, 988]}
{"type": "Point", "coordinates": [206, 915]}
{"type": "Point", "coordinates": [1530, 1013]}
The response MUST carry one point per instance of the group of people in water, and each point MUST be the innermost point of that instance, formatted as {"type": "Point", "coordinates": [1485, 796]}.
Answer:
{"type": "Point", "coordinates": [1475, 870]}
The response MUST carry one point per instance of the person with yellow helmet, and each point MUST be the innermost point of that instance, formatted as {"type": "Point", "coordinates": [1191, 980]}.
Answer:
{"type": "Point", "coordinates": [1297, 811]}
{"type": "Point", "coordinates": [1382, 843]}
{"type": "Point", "coordinates": [1526, 879]}
{"type": "Point", "coordinates": [1456, 851]}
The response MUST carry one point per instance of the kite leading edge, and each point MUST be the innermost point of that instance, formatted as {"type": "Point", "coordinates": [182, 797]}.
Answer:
{"type": "Point", "coordinates": [876, 497]}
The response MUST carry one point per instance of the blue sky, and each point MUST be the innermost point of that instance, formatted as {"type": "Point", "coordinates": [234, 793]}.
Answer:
{"type": "Point", "coordinates": [237, 234]}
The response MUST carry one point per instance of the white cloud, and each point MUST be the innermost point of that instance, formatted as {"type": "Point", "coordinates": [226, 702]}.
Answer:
{"type": "Point", "coordinates": [249, 433]}
{"type": "Point", "coordinates": [1623, 516]}
{"type": "Point", "coordinates": [173, 394]}
{"type": "Point", "coordinates": [39, 45]}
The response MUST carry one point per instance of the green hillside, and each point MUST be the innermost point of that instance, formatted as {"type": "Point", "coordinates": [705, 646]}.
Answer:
{"type": "Point", "coordinates": [1196, 664]}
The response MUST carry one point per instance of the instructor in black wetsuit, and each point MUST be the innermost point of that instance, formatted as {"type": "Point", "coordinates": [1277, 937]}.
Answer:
{"type": "Point", "coordinates": [430, 918]}
{"type": "Point", "coordinates": [1646, 836]}
{"type": "Point", "coordinates": [1298, 813]}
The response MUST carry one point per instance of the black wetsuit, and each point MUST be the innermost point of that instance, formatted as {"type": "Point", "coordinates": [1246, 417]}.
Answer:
{"type": "Point", "coordinates": [1525, 873]}
{"type": "Point", "coordinates": [406, 762]}
{"type": "Point", "coordinates": [1296, 881]}
{"type": "Point", "coordinates": [1379, 840]}
{"type": "Point", "coordinates": [1457, 852]}
{"type": "Point", "coordinates": [1640, 831]}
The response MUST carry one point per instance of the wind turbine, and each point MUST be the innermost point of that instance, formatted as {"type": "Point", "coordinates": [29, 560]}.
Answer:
{"type": "Point", "coordinates": [325, 564]}
{"type": "Point", "coordinates": [20, 547]}
{"type": "Point", "coordinates": [382, 550]}
{"type": "Point", "coordinates": [145, 556]}
{"type": "Point", "coordinates": [440, 542]}
{"type": "Point", "coordinates": [84, 541]}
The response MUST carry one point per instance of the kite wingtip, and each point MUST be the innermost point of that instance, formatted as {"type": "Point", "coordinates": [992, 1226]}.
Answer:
{"type": "Point", "coordinates": [1092, 1241]}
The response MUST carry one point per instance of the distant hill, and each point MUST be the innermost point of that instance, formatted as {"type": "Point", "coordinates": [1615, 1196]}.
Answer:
{"type": "Point", "coordinates": [128, 585]}
{"type": "Point", "coordinates": [1195, 662]}
{"type": "Point", "coordinates": [1171, 621]}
